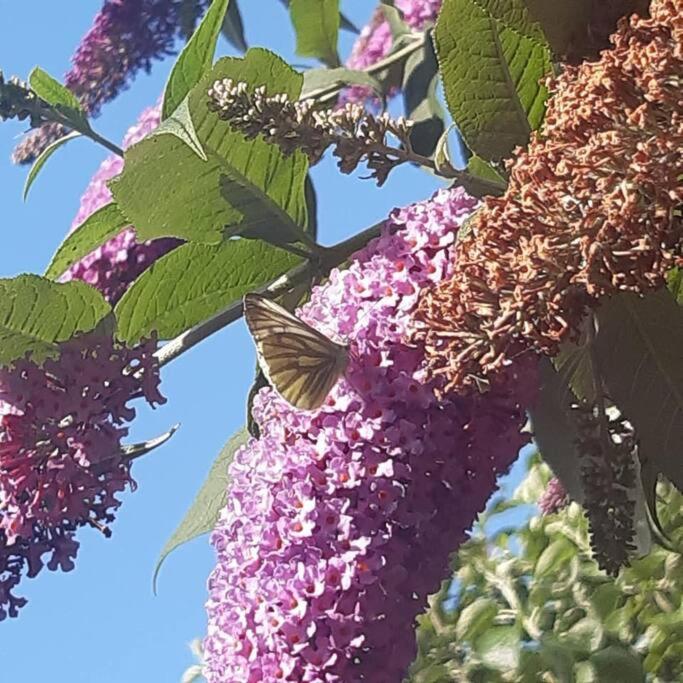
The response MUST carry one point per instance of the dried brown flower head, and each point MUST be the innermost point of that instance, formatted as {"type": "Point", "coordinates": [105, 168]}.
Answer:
{"type": "Point", "coordinates": [592, 209]}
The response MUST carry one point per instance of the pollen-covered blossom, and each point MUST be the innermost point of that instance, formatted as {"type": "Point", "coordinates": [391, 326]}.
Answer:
{"type": "Point", "coordinates": [113, 266]}
{"type": "Point", "coordinates": [339, 521]}
{"type": "Point", "coordinates": [375, 39]}
{"type": "Point", "coordinates": [592, 209]}
{"type": "Point", "coordinates": [126, 37]}
{"type": "Point", "coordinates": [61, 466]}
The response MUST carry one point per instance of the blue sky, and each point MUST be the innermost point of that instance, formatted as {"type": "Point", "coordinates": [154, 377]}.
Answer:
{"type": "Point", "coordinates": [101, 623]}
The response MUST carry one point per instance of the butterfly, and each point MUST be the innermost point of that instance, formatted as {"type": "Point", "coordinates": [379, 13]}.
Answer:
{"type": "Point", "coordinates": [300, 363]}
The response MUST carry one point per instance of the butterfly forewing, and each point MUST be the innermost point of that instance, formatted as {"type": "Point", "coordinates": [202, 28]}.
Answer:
{"type": "Point", "coordinates": [300, 363]}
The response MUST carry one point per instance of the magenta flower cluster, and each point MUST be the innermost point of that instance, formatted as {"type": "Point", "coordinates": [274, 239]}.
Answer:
{"type": "Point", "coordinates": [375, 39]}
{"type": "Point", "coordinates": [126, 37]}
{"type": "Point", "coordinates": [554, 498]}
{"type": "Point", "coordinates": [61, 465]}
{"type": "Point", "coordinates": [113, 266]}
{"type": "Point", "coordinates": [340, 521]}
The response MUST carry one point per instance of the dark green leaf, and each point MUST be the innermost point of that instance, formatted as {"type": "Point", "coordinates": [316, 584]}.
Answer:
{"type": "Point", "coordinates": [188, 201]}
{"type": "Point", "coordinates": [492, 58]}
{"type": "Point", "coordinates": [193, 282]}
{"type": "Point", "coordinates": [615, 663]}
{"type": "Point", "coordinates": [204, 511]}
{"type": "Point", "coordinates": [52, 91]}
{"type": "Point", "coordinates": [180, 124]}
{"type": "Point", "coordinates": [233, 27]}
{"type": "Point", "coordinates": [674, 282]}
{"type": "Point", "coordinates": [562, 22]}
{"type": "Point", "coordinates": [420, 80]}
{"type": "Point", "coordinates": [44, 156]}
{"type": "Point", "coordinates": [311, 208]}
{"type": "Point", "coordinates": [37, 314]}
{"type": "Point", "coordinates": [94, 231]}
{"type": "Point", "coordinates": [554, 430]}
{"type": "Point", "coordinates": [559, 658]}
{"type": "Point", "coordinates": [483, 179]}
{"type": "Point", "coordinates": [195, 59]}
{"type": "Point", "coordinates": [638, 349]}
{"type": "Point", "coordinates": [316, 23]}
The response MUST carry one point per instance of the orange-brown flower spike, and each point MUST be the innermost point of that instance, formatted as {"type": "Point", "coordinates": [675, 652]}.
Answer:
{"type": "Point", "coordinates": [592, 209]}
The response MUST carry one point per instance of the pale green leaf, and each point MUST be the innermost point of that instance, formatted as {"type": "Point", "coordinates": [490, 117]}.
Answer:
{"type": "Point", "coordinates": [492, 59]}
{"type": "Point", "coordinates": [52, 91]}
{"type": "Point", "coordinates": [95, 230]}
{"type": "Point", "coordinates": [193, 282]}
{"type": "Point", "coordinates": [210, 500]}
{"type": "Point", "coordinates": [188, 199]}
{"type": "Point", "coordinates": [316, 24]}
{"type": "Point", "coordinates": [43, 157]}
{"type": "Point", "coordinates": [37, 314]}
{"type": "Point", "coordinates": [195, 59]}
{"type": "Point", "coordinates": [476, 618]}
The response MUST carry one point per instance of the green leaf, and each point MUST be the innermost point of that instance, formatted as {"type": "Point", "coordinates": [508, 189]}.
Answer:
{"type": "Point", "coordinates": [100, 226]}
{"type": "Point", "coordinates": [43, 157]}
{"type": "Point", "coordinates": [585, 636]}
{"type": "Point", "coordinates": [492, 59]}
{"type": "Point", "coordinates": [37, 314]}
{"type": "Point", "coordinates": [53, 92]}
{"type": "Point", "coordinates": [554, 430]}
{"type": "Point", "coordinates": [205, 510]}
{"type": "Point", "coordinates": [327, 80]}
{"type": "Point", "coordinates": [674, 282]}
{"type": "Point", "coordinates": [316, 23]}
{"type": "Point", "coordinates": [233, 27]}
{"type": "Point", "coordinates": [476, 618]}
{"type": "Point", "coordinates": [188, 200]}
{"type": "Point", "coordinates": [615, 663]}
{"type": "Point", "coordinates": [195, 59]}
{"type": "Point", "coordinates": [554, 557]}
{"type": "Point", "coordinates": [483, 178]}
{"type": "Point", "coordinates": [638, 350]}
{"type": "Point", "coordinates": [532, 486]}
{"type": "Point", "coordinates": [499, 647]}
{"type": "Point", "coordinates": [562, 22]}
{"type": "Point", "coordinates": [193, 282]}
{"type": "Point", "coordinates": [559, 658]}
{"type": "Point", "coordinates": [420, 80]}
{"type": "Point", "coordinates": [180, 124]}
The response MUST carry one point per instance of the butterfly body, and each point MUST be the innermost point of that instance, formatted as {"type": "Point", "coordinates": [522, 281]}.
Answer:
{"type": "Point", "coordinates": [301, 364]}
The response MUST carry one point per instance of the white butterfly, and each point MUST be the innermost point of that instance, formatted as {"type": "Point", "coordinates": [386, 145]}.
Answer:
{"type": "Point", "coordinates": [300, 363]}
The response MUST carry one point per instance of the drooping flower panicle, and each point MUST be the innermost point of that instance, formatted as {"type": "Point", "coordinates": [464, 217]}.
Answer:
{"type": "Point", "coordinates": [61, 465]}
{"type": "Point", "coordinates": [592, 209]}
{"type": "Point", "coordinates": [113, 266]}
{"type": "Point", "coordinates": [339, 522]}
{"type": "Point", "coordinates": [126, 37]}
{"type": "Point", "coordinates": [356, 134]}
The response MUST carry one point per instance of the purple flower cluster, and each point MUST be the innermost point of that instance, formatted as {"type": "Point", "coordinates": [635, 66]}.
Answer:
{"type": "Point", "coordinates": [340, 521]}
{"type": "Point", "coordinates": [375, 39]}
{"type": "Point", "coordinates": [61, 425]}
{"type": "Point", "coordinates": [126, 36]}
{"type": "Point", "coordinates": [554, 497]}
{"type": "Point", "coordinates": [113, 266]}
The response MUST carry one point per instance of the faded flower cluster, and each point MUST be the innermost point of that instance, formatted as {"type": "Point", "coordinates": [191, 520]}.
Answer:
{"type": "Point", "coordinates": [339, 521]}
{"type": "Point", "coordinates": [113, 266]}
{"type": "Point", "coordinates": [592, 209]}
{"type": "Point", "coordinates": [61, 466]}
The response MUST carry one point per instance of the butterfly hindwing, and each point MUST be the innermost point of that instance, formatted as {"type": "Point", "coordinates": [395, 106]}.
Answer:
{"type": "Point", "coordinates": [300, 363]}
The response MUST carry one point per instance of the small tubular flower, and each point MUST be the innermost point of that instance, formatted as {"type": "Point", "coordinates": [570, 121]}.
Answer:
{"type": "Point", "coordinates": [374, 41]}
{"type": "Point", "coordinates": [113, 266]}
{"type": "Point", "coordinates": [61, 465]}
{"type": "Point", "coordinates": [126, 37]}
{"type": "Point", "coordinates": [554, 498]}
{"type": "Point", "coordinates": [592, 209]}
{"type": "Point", "coordinates": [339, 521]}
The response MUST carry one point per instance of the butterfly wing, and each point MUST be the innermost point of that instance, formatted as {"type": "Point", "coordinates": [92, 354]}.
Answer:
{"type": "Point", "coordinates": [300, 363]}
